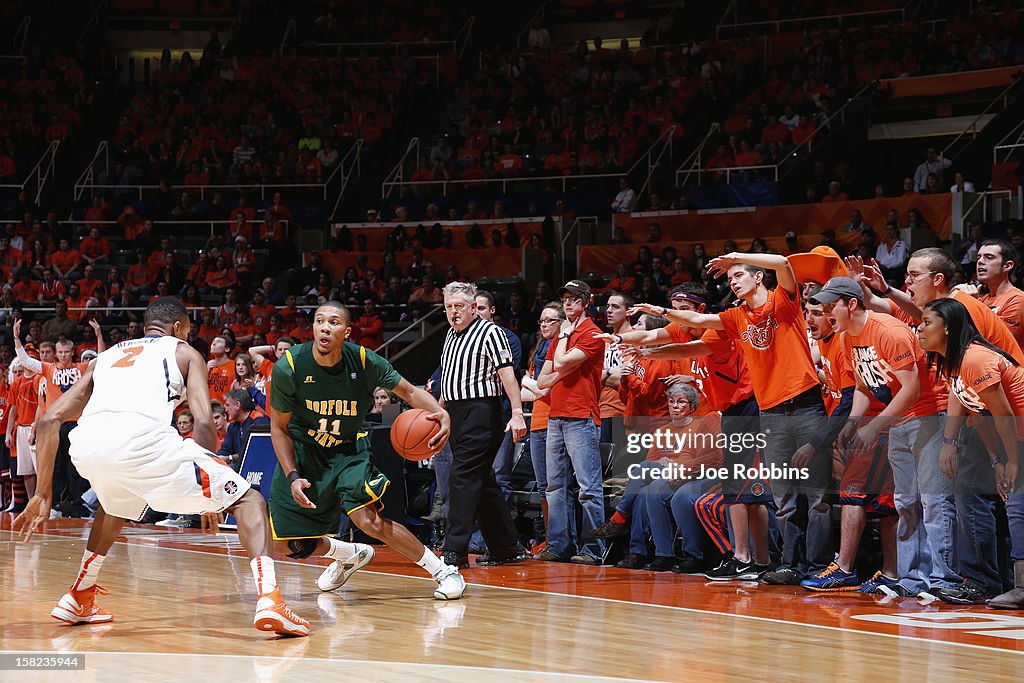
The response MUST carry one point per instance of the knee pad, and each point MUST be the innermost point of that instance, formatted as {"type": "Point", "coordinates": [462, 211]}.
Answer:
{"type": "Point", "coordinates": [301, 548]}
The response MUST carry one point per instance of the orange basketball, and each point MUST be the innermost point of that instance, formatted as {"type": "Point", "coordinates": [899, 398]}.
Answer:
{"type": "Point", "coordinates": [411, 434]}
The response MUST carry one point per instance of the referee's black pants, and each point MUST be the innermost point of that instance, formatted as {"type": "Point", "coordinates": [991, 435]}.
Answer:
{"type": "Point", "coordinates": [473, 494]}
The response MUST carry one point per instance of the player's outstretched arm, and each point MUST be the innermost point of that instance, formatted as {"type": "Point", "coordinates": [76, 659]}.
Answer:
{"type": "Point", "coordinates": [66, 408]}
{"type": "Point", "coordinates": [419, 398]}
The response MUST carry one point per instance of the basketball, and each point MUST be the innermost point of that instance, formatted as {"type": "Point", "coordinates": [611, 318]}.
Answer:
{"type": "Point", "coordinates": [411, 434]}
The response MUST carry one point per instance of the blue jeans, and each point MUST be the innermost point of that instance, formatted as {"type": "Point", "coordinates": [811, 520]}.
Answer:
{"type": "Point", "coordinates": [574, 442]}
{"type": "Point", "coordinates": [665, 504]}
{"type": "Point", "coordinates": [1015, 514]}
{"type": "Point", "coordinates": [925, 504]}
{"type": "Point", "coordinates": [539, 458]}
{"type": "Point", "coordinates": [976, 543]}
{"type": "Point", "coordinates": [806, 545]}
{"type": "Point", "coordinates": [442, 468]}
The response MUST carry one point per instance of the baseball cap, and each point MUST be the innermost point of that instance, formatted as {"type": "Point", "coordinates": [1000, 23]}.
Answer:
{"type": "Point", "coordinates": [838, 288]}
{"type": "Point", "coordinates": [88, 354]}
{"type": "Point", "coordinates": [820, 265]}
{"type": "Point", "coordinates": [576, 288]}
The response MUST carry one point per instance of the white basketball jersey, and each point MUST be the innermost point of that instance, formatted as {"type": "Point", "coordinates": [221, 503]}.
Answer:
{"type": "Point", "coordinates": [138, 377]}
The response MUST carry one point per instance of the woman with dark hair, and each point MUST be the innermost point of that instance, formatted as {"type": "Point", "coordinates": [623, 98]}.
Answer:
{"type": "Point", "coordinates": [985, 380]}
{"type": "Point", "coordinates": [758, 246]}
{"type": "Point", "coordinates": [699, 259]}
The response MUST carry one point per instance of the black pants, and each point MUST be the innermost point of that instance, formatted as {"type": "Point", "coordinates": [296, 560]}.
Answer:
{"type": "Point", "coordinates": [474, 497]}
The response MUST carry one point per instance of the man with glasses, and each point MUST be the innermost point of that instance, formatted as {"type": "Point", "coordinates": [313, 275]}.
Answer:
{"type": "Point", "coordinates": [934, 475]}
{"type": "Point", "coordinates": [573, 372]}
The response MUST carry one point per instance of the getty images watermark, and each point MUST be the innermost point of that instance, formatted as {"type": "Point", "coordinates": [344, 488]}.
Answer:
{"type": "Point", "coordinates": [666, 447]}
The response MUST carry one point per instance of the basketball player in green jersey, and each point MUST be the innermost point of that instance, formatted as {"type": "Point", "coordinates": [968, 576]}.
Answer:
{"type": "Point", "coordinates": [322, 391]}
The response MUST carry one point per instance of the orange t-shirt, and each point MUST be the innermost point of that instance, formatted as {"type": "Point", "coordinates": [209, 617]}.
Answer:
{"type": "Point", "coordinates": [643, 391]}
{"type": "Point", "coordinates": [884, 346]}
{"type": "Point", "coordinates": [698, 449]}
{"type": "Point", "coordinates": [24, 394]}
{"type": "Point", "coordinates": [5, 408]}
{"type": "Point", "coordinates": [771, 338]}
{"type": "Point", "coordinates": [539, 415]}
{"type": "Point", "coordinates": [57, 380]}
{"type": "Point", "coordinates": [982, 368]}
{"type": "Point", "coordinates": [722, 378]}
{"type": "Point", "coordinates": [1008, 307]}
{"type": "Point", "coordinates": [835, 362]}
{"type": "Point", "coordinates": [576, 394]}
{"type": "Point", "coordinates": [220, 380]}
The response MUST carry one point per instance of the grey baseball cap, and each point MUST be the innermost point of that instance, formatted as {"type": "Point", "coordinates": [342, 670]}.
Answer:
{"type": "Point", "coordinates": [838, 288]}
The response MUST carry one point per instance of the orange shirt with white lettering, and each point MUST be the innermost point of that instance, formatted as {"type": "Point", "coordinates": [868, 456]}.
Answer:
{"type": "Point", "coordinates": [1008, 307]}
{"type": "Point", "coordinates": [722, 378]}
{"type": "Point", "coordinates": [220, 380]}
{"type": "Point", "coordinates": [56, 380]}
{"type": "Point", "coordinates": [884, 346]}
{"type": "Point", "coordinates": [773, 340]}
{"type": "Point", "coordinates": [982, 368]}
{"type": "Point", "coordinates": [611, 404]}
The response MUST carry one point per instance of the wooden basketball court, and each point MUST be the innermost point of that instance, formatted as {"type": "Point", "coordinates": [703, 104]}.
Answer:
{"type": "Point", "coordinates": [183, 603]}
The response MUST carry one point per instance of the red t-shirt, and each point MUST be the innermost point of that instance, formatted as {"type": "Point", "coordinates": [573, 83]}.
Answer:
{"type": "Point", "coordinates": [576, 394]}
{"type": "Point", "coordinates": [772, 337]}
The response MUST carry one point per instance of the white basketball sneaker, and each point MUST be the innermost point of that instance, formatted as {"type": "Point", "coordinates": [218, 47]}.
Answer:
{"type": "Point", "coordinates": [335, 576]}
{"type": "Point", "coordinates": [450, 584]}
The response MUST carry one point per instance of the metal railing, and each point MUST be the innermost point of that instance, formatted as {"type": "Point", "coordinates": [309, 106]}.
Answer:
{"type": "Point", "coordinates": [290, 29]}
{"type": "Point", "coordinates": [694, 164]}
{"type": "Point", "coordinates": [1017, 131]}
{"type": "Point", "coordinates": [525, 32]}
{"type": "Point", "coordinates": [456, 45]}
{"type": "Point", "coordinates": [348, 165]}
{"type": "Point", "coordinates": [93, 20]}
{"type": "Point", "coordinates": [777, 26]}
{"type": "Point", "coordinates": [983, 199]}
{"type": "Point", "coordinates": [175, 227]}
{"type": "Point", "coordinates": [99, 165]}
{"type": "Point", "coordinates": [972, 128]}
{"type": "Point", "coordinates": [394, 179]}
{"type": "Point", "coordinates": [21, 35]}
{"type": "Point", "coordinates": [40, 173]}
{"type": "Point", "coordinates": [421, 322]}
{"type": "Point", "coordinates": [576, 227]}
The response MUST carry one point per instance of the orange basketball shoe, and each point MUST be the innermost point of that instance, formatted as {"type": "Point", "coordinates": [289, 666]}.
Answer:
{"type": "Point", "coordinates": [79, 607]}
{"type": "Point", "coordinates": [272, 614]}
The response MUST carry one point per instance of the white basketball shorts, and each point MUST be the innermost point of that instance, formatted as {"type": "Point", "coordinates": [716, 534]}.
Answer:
{"type": "Point", "coordinates": [25, 451]}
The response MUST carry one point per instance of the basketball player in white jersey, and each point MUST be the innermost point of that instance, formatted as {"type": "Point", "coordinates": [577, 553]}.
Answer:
{"type": "Point", "coordinates": [127, 448]}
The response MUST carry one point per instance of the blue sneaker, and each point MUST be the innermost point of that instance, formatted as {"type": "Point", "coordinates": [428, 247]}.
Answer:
{"type": "Point", "coordinates": [832, 579]}
{"type": "Point", "coordinates": [872, 585]}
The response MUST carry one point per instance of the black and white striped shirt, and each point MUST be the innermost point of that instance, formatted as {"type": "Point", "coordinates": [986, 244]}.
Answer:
{"type": "Point", "coordinates": [470, 361]}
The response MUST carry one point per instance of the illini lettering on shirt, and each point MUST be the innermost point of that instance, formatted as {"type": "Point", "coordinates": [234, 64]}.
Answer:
{"type": "Point", "coordinates": [982, 368]}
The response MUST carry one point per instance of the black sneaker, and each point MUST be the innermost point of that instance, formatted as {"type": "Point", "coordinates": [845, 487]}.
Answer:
{"type": "Point", "coordinates": [632, 561]}
{"type": "Point", "coordinates": [753, 571]}
{"type": "Point", "coordinates": [660, 564]}
{"type": "Point", "coordinates": [964, 594]}
{"type": "Point", "coordinates": [688, 565]}
{"type": "Point", "coordinates": [459, 560]}
{"type": "Point", "coordinates": [783, 576]}
{"type": "Point", "coordinates": [510, 556]}
{"type": "Point", "coordinates": [728, 570]}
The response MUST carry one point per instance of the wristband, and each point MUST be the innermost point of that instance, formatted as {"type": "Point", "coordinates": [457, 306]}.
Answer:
{"type": "Point", "coordinates": [946, 441]}
{"type": "Point", "coordinates": [293, 476]}
{"type": "Point", "coordinates": [618, 338]}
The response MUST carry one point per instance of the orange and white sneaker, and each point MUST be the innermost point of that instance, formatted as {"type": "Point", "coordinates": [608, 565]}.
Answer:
{"type": "Point", "coordinates": [79, 607]}
{"type": "Point", "coordinates": [272, 614]}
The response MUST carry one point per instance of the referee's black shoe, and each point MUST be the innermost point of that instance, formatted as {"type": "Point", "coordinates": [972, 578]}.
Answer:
{"type": "Point", "coordinates": [515, 554]}
{"type": "Point", "coordinates": [459, 560]}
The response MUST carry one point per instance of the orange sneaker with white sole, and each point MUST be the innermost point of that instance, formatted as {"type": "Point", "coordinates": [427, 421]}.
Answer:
{"type": "Point", "coordinates": [272, 614]}
{"type": "Point", "coordinates": [79, 607]}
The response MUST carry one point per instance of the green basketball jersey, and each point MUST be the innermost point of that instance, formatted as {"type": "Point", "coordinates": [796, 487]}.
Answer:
{"type": "Point", "coordinates": [328, 404]}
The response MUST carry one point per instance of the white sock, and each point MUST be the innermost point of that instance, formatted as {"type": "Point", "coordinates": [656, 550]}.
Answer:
{"type": "Point", "coordinates": [340, 550]}
{"type": "Point", "coordinates": [431, 562]}
{"type": "Point", "coordinates": [263, 573]}
{"type": "Point", "coordinates": [89, 571]}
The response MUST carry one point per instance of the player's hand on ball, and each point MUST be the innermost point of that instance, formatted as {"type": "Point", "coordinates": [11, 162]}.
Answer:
{"type": "Point", "coordinates": [210, 521]}
{"type": "Point", "coordinates": [298, 496]}
{"type": "Point", "coordinates": [443, 419]}
{"type": "Point", "coordinates": [518, 426]}
{"type": "Point", "coordinates": [35, 513]}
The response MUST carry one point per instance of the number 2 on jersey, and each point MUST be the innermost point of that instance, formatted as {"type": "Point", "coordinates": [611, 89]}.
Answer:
{"type": "Point", "coordinates": [335, 426]}
{"type": "Point", "coordinates": [129, 357]}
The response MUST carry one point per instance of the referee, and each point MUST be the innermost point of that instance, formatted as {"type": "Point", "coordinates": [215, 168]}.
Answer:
{"type": "Point", "coordinates": [476, 365]}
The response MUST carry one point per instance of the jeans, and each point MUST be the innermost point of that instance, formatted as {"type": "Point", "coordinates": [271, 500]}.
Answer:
{"type": "Point", "coordinates": [442, 470]}
{"type": "Point", "coordinates": [574, 441]}
{"type": "Point", "coordinates": [1015, 514]}
{"type": "Point", "coordinates": [974, 488]}
{"type": "Point", "coordinates": [925, 504]}
{"type": "Point", "coordinates": [666, 503]}
{"type": "Point", "coordinates": [786, 428]}
{"type": "Point", "coordinates": [539, 458]}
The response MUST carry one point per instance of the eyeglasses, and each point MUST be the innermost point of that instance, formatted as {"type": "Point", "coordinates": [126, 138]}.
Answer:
{"type": "Point", "coordinates": [571, 300]}
{"type": "Point", "coordinates": [550, 321]}
{"type": "Point", "coordinates": [914, 277]}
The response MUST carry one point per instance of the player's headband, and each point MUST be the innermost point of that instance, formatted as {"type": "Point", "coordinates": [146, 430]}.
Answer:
{"type": "Point", "coordinates": [689, 296]}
